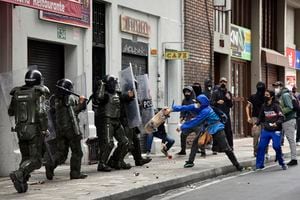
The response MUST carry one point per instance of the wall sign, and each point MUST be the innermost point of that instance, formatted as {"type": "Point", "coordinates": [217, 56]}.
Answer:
{"type": "Point", "coordinates": [83, 21]}
{"type": "Point", "coordinates": [135, 26]}
{"type": "Point", "coordinates": [240, 39]}
{"type": "Point", "coordinates": [291, 55]}
{"type": "Point", "coordinates": [177, 55]}
{"type": "Point", "coordinates": [63, 7]}
{"type": "Point", "coordinates": [136, 48]}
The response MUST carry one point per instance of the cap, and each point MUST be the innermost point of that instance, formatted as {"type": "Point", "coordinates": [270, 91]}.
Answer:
{"type": "Point", "coordinates": [223, 79]}
{"type": "Point", "coordinates": [278, 83]}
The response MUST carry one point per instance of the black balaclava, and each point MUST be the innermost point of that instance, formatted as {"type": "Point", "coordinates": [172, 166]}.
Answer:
{"type": "Point", "coordinates": [197, 89]}
{"type": "Point", "coordinates": [260, 91]}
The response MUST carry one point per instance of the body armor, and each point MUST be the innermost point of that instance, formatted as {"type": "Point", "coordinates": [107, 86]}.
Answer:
{"type": "Point", "coordinates": [112, 108]}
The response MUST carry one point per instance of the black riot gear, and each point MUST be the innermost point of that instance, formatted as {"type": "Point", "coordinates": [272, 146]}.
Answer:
{"type": "Point", "coordinates": [111, 83]}
{"type": "Point", "coordinates": [33, 77]}
{"type": "Point", "coordinates": [66, 83]}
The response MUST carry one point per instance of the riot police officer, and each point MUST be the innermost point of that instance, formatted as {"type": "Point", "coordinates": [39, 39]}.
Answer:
{"type": "Point", "coordinates": [28, 107]}
{"type": "Point", "coordinates": [67, 130]}
{"type": "Point", "coordinates": [107, 107]}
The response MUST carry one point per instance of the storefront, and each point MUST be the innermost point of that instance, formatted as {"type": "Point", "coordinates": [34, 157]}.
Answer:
{"type": "Point", "coordinates": [240, 82]}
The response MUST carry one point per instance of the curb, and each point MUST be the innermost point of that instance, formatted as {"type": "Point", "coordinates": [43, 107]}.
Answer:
{"type": "Point", "coordinates": [161, 187]}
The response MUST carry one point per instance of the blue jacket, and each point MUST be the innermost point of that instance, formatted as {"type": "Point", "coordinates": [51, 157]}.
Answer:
{"type": "Point", "coordinates": [205, 115]}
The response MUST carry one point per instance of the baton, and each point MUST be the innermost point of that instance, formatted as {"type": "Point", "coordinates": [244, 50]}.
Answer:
{"type": "Point", "coordinates": [70, 92]}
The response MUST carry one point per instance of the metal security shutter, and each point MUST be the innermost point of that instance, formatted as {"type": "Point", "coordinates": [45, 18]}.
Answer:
{"type": "Point", "coordinates": [49, 59]}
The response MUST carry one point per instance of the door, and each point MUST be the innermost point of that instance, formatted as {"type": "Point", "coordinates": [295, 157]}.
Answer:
{"type": "Point", "coordinates": [241, 90]}
{"type": "Point", "coordinates": [49, 59]}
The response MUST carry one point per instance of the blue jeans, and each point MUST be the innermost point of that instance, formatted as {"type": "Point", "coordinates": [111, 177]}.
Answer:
{"type": "Point", "coordinates": [164, 137]}
{"type": "Point", "coordinates": [265, 138]}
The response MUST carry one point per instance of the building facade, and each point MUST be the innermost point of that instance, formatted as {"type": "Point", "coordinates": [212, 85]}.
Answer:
{"type": "Point", "coordinates": [108, 36]}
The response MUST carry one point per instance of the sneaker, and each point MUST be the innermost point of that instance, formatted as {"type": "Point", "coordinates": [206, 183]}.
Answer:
{"type": "Point", "coordinates": [142, 161]}
{"type": "Point", "coordinates": [80, 176]}
{"type": "Point", "coordinates": [284, 167]}
{"type": "Point", "coordinates": [259, 168]}
{"type": "Point", "coordinates": [202, 154]}
{"type": "Point", "coordinates": [188, 164]}
{"type": "Point", "coordinates": [148, 154]}
{"type": "Point", "coordinates": [293, 162]}
{"type": "Point", "coordinates": [181, 153]}
{"type": "Point", "coordinates": [164, 151]}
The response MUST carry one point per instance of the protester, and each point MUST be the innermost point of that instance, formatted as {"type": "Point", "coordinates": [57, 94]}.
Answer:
{"type": "Point", "coordinates": [222, 99]}
{"type": "Point", "coordinates": [253, 108]}
{"type": "Point", "coordinates": [271, 119]}
{"type": "Point", "coordinates": [205, 116]}
{"type": "Point", "coordinates": [289, 124]}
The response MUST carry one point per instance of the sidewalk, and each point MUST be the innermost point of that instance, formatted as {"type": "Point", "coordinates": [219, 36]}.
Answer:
{"type": "Point", "coordinates": [137, 183]}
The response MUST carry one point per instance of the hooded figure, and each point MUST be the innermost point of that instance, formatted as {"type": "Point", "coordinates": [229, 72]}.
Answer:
{"type": "Point", "coordinates": [207, 117]}
{"type": "Point", "coordinates": [207, 88]}
{"type": "Point", "coordinates": [189, 95]}
{"type": "Point", "coordinates": [197, 89]}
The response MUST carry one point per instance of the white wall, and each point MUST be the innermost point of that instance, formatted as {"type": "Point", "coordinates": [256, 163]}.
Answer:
{"type": "Point", "coordinates": [290, 27]}
{"type": "Point", "coordinates": [78, 59]}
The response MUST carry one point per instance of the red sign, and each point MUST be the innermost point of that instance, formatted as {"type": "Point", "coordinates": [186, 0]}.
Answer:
{"type": "Point", "coordinates": [63, 7]}
{"type": "Point", "coordinates": [84, 20]}
{"type": "Point", "coordinates": [291, 55]}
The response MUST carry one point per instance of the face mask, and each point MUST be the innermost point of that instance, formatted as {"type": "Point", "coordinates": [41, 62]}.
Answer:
{"type": "Point", "coordinates": [277, 91]}
{"type": "Point", "coordinates": [209, 88]}
{"type": "Point", "coordinates": [187, 96]}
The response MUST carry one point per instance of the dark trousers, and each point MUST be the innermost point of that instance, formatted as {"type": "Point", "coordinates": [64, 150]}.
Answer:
{"type": "Point", "coordinates": [109, 129]}
{"type": "Point", "coordinates": [31, 152]}
{"type": "Point", "coordinates": [65, 140]}
{"type": "Point", "coordinates": [228, 131]}
{"type": "Point", "coordinates": [134, 143]}
{"type": "Point", "coordinates": [223, 146]}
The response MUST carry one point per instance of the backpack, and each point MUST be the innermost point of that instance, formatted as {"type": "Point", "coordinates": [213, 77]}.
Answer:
{"type": "Point", "coordinates": [223, 117]}
{"type": "Point", "coordinates": [295, 102]}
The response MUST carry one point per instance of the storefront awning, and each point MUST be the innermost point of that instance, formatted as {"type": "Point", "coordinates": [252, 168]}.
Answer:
{"type": "Point", "coordinates": [274, 57]}
{"type": "Point", "coordinates": [63, 7]}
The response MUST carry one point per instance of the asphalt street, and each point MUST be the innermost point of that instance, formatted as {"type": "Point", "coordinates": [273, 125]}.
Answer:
{"type": "Point", "coordinates": [272, 183]}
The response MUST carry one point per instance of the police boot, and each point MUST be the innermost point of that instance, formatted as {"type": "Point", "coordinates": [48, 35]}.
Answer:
{"type": "Point", "coordinates": [114, 164]}
{"type": "Point", "coordinates": [124, 165]}
{"type": "Point", "coordinates": [142, 161]}
{"type": "Point", "coordinates": [20, 183]}
{"type": "Point", "coordinates": [49, 172]}
{"type": "Point", "coordinates": [76, 175]}
{"type": "Point", "coordinates": [103, 167]}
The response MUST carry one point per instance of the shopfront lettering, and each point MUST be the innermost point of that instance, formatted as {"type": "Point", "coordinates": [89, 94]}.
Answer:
{"type": "Point", "coordinates": [135, 26]}
{"type": "Point", "coordinates": [63, 7]}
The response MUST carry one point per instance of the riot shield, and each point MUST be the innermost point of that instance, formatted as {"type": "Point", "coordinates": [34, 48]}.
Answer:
{"type": "Point", "coordinates": [80, 88]}
{"type": "Point", "coordinates": [145, 99]}
{"type": "Point", "coordinates": [9, 80]}
{"type": "Point", "coordinates": [132, 108]}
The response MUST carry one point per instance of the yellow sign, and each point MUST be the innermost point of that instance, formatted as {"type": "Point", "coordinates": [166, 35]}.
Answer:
{"type": "Point", "coordinates": [177, 55]}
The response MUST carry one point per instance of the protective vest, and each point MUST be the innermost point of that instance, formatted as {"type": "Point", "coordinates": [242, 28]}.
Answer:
{"type": "Point", "coordinates": [112, 108]}
{"type": "Point", "coordinates": [29, 103]}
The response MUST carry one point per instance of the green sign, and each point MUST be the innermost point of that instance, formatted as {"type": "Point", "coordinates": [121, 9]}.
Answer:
{"type": "Point", "coordinates": [61, 32]}
{"type": "Point", "coordinates": [240, 39]}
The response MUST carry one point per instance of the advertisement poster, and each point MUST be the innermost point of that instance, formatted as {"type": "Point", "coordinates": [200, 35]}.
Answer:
{"type": "Point", "coordinates": [84, 21]}
{"type": "Point", "coordinates": [291, 54]}
{"type": "Point", "coordinates": [240, 39]}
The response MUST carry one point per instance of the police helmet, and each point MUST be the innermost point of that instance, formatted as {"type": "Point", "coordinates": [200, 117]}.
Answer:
{"type": "Point", "coordinates": [111, 82]}
{"type": "Point", "coordinates": [33, 77]}
{"type": "Point", "coordinates": [65, 83]}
